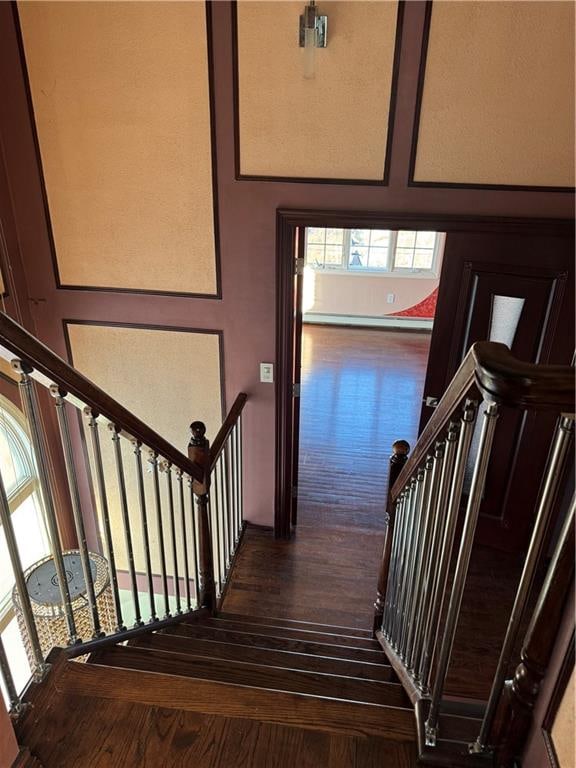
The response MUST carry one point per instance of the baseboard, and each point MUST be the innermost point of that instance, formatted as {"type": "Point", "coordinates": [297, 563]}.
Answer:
{"type": "Point", "coordinates": [365, 321]}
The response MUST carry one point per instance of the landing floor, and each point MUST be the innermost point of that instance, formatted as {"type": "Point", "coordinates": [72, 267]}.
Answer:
{"type": "Point", "coordinates": [169, 738]}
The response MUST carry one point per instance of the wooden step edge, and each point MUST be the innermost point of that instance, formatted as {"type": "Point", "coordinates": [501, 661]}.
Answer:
{"type": "Point", "coordinates": [25, 759]}
{"type": "Point", "coordinates": [374, 653]}
{"type": "Point", "coordinates": [369, 643]}
{"type": "Point", "coordinates": [161, 642]}
{"type": "Point", "coordinates": [123, 655]}
{"type": "Point", "coordinates": [38, 694]}
{"type": "Point", "coordinates": [229, 700]}
{"type": "Point", "coordinates": [278, 622]}
{"type": "Point", "coordinates": [447, 753]}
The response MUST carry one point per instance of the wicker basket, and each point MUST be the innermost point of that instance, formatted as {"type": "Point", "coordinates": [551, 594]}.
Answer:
{"type": "Point", "coordinates": [49, 616]}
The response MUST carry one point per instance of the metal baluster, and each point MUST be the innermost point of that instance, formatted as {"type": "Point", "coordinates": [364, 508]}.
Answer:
{"type": "Point", "coordinates": [233, 480]}
{"type": "Point", "coordinates": [414, 535]}
{"type": "Point", "coordinates": [552, 478]}
{"type": "Point", "coordinates": [126, 521]}
{"type": "Point", "coordinates": [241, 470]}
{"type": "Point", "coordinates": [397, 623]}
{"type": "Point", "coordinates": [471, 519]}
{"type": "Point", "coordinates": [144, 524]}
{"type": "Point", "coordinates": [64, 428]}
{"type": "Point", "coordinates": [6, 672]}
{"type": "Point", "coordinates": [158, 504]}
{"type": "Point", "coordinates": [28, 616]}
{"type": "Point", "coordinates": [193, 526]}
{"type": "Point", "coordinates": [416, 589]}
{"type": "Point", "coordinates": [390, 598]}
{"type": "Point", "coordinates": [30, 407]}
{"type": "Point", "coordinates": [184, 538]}
{"type": "Point", "coordinates": [399, 561]}
{"type": "Point", "coordinates": [216, 537]}
{"type": "Point", "coordinates": [433, 603]}
{"type": "Point", "coordinates": [168, 470]}
{"type": "Point", "coordinates": [109, 546]}
{"type": "Point", "coordinates": [424, 573]}
{"type": "Point", "coordinates": [219, 483]}
{"type": "Point", "coordinates": [229, 510]}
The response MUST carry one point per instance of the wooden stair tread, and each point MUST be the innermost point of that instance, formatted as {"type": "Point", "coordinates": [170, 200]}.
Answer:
{"type": "Point", "coordinates": [258, 676]}
{"type": "Point", "coordinates": [231, 700]}
{"type": "Point", "coordinates": [279, 658]}
{"type": "Point", "coordinates": [279, 643]}
{"type": "Point", "coordinates": [296, 624]}
{"type": "Point", "coordinates": [292, 632]}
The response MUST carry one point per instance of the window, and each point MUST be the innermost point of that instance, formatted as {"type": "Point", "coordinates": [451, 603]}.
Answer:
{"type": "Point", "coordinates": [405, 252]}
{"type": "Point", "coordinates": [21, 487]}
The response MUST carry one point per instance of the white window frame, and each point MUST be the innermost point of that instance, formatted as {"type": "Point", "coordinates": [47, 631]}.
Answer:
{"type": "Point", "coordinates": [389, 270]}
{"type": "Point", "coordinates": [28, 487]}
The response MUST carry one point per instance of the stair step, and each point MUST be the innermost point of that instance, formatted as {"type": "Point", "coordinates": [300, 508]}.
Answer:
{"type": "Point", "coordinates": [286, 659]}
{"type": "Point", "coordinates": [231, 700]}
{"type": "Point", "coordinates": [255, 675]}
{"type": "Point", "coordinates": [295, 624]}
{"type": "Point", "coordinates": [279, 643]}
{"type": "Point", "coordinates": [296, 633]}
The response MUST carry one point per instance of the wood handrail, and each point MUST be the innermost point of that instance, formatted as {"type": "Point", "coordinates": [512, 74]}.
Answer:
{"type": "Point", "coordinates": [490, 370]}
{"type": "Point", "coordinates": [16, 342]}
{"type": "Point", "coordinates": [226, 428]}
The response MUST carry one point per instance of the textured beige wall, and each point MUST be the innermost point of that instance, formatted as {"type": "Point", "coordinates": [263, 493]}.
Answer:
{"type": "Point", "coordinates": [563, 727]}
{"type": "Point", "coordinates": [333, 126]}
{"type": "Point", "coordinates": [168, 379]}
{"type": "Point", "coordinates": [498, 101]}
{"type": "Point", "coordinates": [120, 94]}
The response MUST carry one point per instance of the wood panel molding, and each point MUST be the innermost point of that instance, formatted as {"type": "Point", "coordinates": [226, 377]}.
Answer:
{"type": "Point", "coordinates": [412, 182]}
{"type": "Point", "coordinates": [318, 180]}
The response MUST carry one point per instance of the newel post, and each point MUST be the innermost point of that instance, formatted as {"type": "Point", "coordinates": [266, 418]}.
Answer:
{"type": "Point", "coordinates": [199, 453]}
{"type": "Point", "coordinates": [514, 715]}
{"type": "Point", "coordinates": [399, 457]}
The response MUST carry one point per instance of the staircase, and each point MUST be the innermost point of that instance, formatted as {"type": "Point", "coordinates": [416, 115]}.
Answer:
{"type": "Point", "coordinates": [172, 690]}
{"type": "Point", "coordinates": [152, 672]}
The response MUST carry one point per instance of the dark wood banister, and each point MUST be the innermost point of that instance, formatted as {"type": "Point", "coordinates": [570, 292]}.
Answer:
{"type": "Point", "coordinates": [219, 441]}
{"type": "Point", "coordinates": [490, 370]}
{"type": "Point", "coordinates": [22, 345]}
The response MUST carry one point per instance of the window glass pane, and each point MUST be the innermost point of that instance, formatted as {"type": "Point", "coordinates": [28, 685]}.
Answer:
{"type": "Point", "coordinates": [315, 255]}
{"type": "Point", "coordinates": [378, 258]}
{"type": "Point", "coordinates": [32, 540]}
{"type": "Point", "coordinates": [423, 259]}
{"type": "Point", "coordinates": [358, 257]}
{"type": "Point", "coordinates": [333, 255]}
{"type": "Point", "coordinates": [14, 469]}
{"type": "Point", "coordinates": [425, 239]}
{"type": "Point", "coordinates": [315, 234]}
{"type": "Point", "coordinates": [7, 464]}
{"type": "Point", "coordinates": [403, 258]}
{"type": "Point", "coordinates": [406, 239]}
{"type": "Point", "coordinates": [359, 237]}
{"type": "Point", "coordinates": [16, 653]}
{"type": "Point", "coordinates": [380, 237]}
{"type": "Point", "coordinates": [335, 236]}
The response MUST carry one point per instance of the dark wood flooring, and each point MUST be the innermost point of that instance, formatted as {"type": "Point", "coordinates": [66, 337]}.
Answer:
{"type": "Point", "coordinates": [361, 390]}
{"type": "Point", "coordinates": [170, 738]}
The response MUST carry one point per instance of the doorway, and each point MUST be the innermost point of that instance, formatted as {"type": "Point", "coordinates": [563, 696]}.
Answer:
{"type": "Point", "coordinates": [483, 258]}
{"type": "Point", "coordinates": [367, 305]}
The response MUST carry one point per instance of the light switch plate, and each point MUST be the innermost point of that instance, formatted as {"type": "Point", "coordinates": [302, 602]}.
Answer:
{"type": "Point", "coordinates": [267, 373]}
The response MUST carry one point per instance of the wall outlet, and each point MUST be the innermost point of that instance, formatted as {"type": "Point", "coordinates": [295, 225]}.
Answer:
{"type": "Point", "coordinates": [390, 298]}
{"type": "Point", "coordinates": [267, 373]}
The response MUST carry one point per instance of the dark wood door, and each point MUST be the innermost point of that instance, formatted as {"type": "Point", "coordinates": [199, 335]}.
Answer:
{"type": "Point", "coordinates": [518, 289]}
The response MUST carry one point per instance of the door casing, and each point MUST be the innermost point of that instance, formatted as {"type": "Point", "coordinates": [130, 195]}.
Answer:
{"type": "Point", "coordinates": [287, 223]}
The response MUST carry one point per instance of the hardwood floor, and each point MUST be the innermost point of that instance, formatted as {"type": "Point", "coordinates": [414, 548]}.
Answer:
{"type": "Point", "coordinates": [361, 390]}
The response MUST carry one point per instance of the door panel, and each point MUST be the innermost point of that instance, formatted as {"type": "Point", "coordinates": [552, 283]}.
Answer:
{"type": "Point", "coordinates": [515, 289]}
{"type": "Point", "coordinates": [297, 368]}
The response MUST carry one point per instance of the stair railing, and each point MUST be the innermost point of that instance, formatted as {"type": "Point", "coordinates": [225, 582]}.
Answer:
{"type": "Point", "coordinates": [220, 501]}
{"type": "Point", "coordinates": [148, 562]}
{"type": "Point", "coordinates": [418, 605]}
